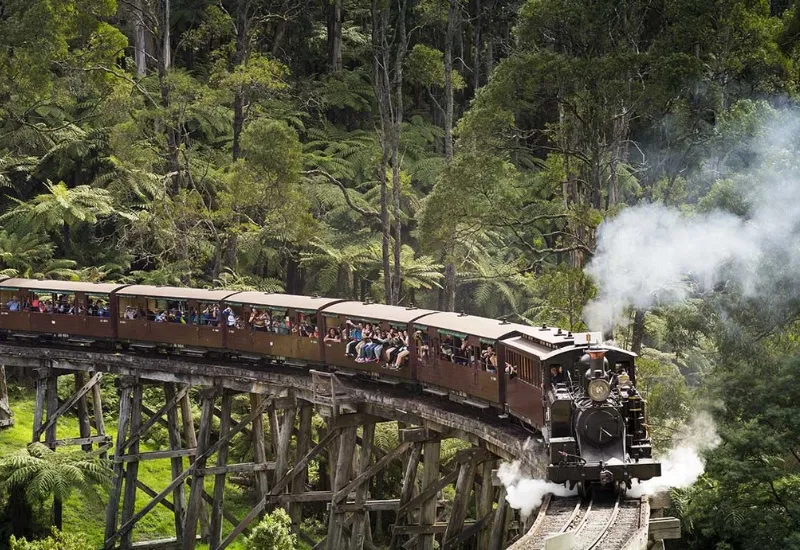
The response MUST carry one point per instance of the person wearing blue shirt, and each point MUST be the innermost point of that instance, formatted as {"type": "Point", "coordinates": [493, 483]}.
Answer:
{"type": "Point", "coordinates": [13, 304]}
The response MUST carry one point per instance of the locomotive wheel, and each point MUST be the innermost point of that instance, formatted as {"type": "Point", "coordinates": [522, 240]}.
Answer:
{"type": "Point", "coordinates": [584, 489]}
{"type": "Point", "coordinates": [620, 489]}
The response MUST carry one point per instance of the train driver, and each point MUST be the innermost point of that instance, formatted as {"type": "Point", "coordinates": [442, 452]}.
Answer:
{"type": "Point", "coordinates": [556, 376]}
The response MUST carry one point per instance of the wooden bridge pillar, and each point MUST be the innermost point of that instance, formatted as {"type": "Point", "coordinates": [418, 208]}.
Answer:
{"type": "Point", "coordinates": [48, 409]}
{"type": "Point", "coordinates": [6, 414]}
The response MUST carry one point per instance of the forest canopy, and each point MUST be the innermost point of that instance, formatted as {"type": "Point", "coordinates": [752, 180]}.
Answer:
{"type": "Point", "coordinates": [453, 154]}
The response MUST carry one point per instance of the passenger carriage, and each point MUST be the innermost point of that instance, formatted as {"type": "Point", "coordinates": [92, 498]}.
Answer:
{"type": "Point", "coordinates": [82, 310]}
{"type": "Point", "coordinates": [276, 325]}
{"type": "Point", "coordinates": [342, 315]}
{"type": "Point", "coordinates": [454, 364]}
{"type": "Point", "coordinates": [191, 330]}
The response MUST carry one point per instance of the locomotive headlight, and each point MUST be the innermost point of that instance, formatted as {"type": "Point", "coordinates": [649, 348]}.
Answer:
{"type": "Point", "coordinates": [599, 389]}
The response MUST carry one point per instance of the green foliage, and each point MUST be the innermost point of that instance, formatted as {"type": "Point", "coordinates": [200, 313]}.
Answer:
{"type": "Point", "coordinates": [45, 473]}
{"type": "Point", "coordinates": [426, 66]}
{"type": "Point", "coordinates": [57, 540]}
{"type": "Point", "coordinates": [274, 532]}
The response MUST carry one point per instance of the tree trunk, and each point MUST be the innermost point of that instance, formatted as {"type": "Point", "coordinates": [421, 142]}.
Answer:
{"type": "Point", "coordinates": [397, 108]}
{"type": "Point", "coordinates": [238, 59]}
{"type": "Point", "coordinates": [335, 35]}
{"type": "Point", "coordinates": [58, 513]}
{"type": "Point", "coordinates": [448, 80]}
{"type": "Point", "coordinates": [638, 331]}
{"type": "Point", "coordinates": [450, 284]}
{"type": "Point", "coordinates": [231, 251]}
{"type": "Point", "coordinates": [167, 46]}
{"type": "Point", "coordinates": [476, 44]}
{"type": "Point", "coordinates": [140, 38]}
{"type": "Point", "coordinates": [382, 84]}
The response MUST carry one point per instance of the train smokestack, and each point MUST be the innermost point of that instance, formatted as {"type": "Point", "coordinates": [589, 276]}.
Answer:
{"type": "Point", "coordinates": [597, 362]}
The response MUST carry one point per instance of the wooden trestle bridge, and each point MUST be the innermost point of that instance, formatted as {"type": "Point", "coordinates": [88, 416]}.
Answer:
{"type": "Point", "coordinates": [285, 398]}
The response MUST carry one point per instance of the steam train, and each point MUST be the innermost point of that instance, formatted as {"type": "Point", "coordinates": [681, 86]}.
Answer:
{"type": "Point", "coordinates": [580, 395]}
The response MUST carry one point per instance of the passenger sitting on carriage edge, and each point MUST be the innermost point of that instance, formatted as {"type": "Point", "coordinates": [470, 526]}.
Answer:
{"type": "Point", "coordinates": [355, 337]}
{"type": "Point", "coordinates": [366, 338]}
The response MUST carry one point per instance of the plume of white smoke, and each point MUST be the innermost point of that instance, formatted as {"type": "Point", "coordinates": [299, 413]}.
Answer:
{"type": "Point", "coordinates": [651, 254]}
{"type": "Point", "coordinates": [526, 494]}
{"type": "Point", "coordinates": [683, 463]}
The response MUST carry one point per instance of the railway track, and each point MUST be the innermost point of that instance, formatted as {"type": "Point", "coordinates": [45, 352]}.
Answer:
{"type": "Point", "coordinates": [597, 524]}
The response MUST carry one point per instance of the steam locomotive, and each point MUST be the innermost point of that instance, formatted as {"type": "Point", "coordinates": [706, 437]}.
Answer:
{"type": "Point", "coordinates": [580, 395]}
{"type": "Point", "coordinates": [596, 422]}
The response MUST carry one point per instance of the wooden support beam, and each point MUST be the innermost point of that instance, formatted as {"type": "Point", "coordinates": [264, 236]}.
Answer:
{"type": "Point", "coordinates": [466, 476]}
{"type": "Point", "coordinates": [122, 429]}
{"type": "Point", "coordinates": [219, 479]}
{"type": "Point", "coordinates": [418, 434]}
{"type": "Point", "coordinates": [6, 415]}
{"type": "Point", "coordinates": [230, 518]}
{"type": "Point", "coordinates": [53, 415]}
{"type": "Point", "coordinates": [484, 503]}
{"type": "Point", "coordinates": [155, 455]}
{"type": "Point", "coordinates": [361, 514]}
{"type": "Point", "coordinates": [155, 417]}
{"type": "Point", "coordinates": [49, 427]}
{"type": "Point", "coordinates": [109, 543]}
{"type": "Point", "coordinates": [344, 468]}
{"type": "Point", "coordinates": [259, 448]}
{"type": "Point", "coordinates": [466, 533]}
{"type": "Point", "coordinates": [84, 424]}
{"type": "Point", "coordinates": [243, 468]}
{"type": "Point", "coordinates": [176, 464]}
{"type": "Point", "coordinates": [371, 471]}
{"type": "Point", "coordinates": [409, 479]}
{"type": "Point", "coordinates": [97, 412]}
{"type": "Point", "coordinates": [132, 469]}
{"type": "Point", "coordinates": [430, 475]}
{"type": "Point", "coordinates": [151, 493]}
{"type": "Point", "coordinates": [425, 530]}
{"type": "Point", "coordinates": [190, 437]}
{"type": "Point", "coordinates": [284, 441]}
{"type": "Point", "coordinates": [41, 400]}
{"type": "Point", "coordinates": [83, 441]}
{"type": "Point", "coordinates": [279, 486]}
{"type": "Point", "coordinates": [303, 442]}
{"type": "Point", "coordinates": [309, 496]}
{"type": "Point", "coordinates": [473, 454]}
{"type": "Point", "coordinates": [664, 528]}
{"type": "Point", "coordinates": [497, 538]}
{"type": "Point", "coordinates": [429, 492]}
{"type": "Point", "coordinates": [195, 504]}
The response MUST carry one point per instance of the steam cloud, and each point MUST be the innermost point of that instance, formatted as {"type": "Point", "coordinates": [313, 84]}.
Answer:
{"type": "Point", "coordinates": [683, 464]}
{"type": "Point", "coordinates": [526, 494]}
{"type": "Point", "coordinates": [651, 254]}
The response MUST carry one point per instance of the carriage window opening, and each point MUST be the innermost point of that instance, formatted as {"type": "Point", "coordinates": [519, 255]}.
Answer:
{"type": "Point", "coordinates": [232, 316]}
{"type": "Point", "coordinates": [259, 319]}
{"type": "Point", "coordinates": [97, 305]}
{"type": "Point", "coordinates": [208, 314]}
{"type": "Point", "coordinates": [50, 302]}
{"type": "Point", "coordinates": [488, 358]}
{"type": "Point", "coordinates": [10, 301]}
{"type": "Point", "coordinates": [421, 343]}
{"type": "Point", "coordinates": [169, 311]}
{"type": "Point", "coordinates": [307, 325]}
{"type": "Point", "coordinates": [129, 309]}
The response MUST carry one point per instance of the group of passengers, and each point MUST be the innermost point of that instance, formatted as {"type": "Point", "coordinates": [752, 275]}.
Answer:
{"type": "Point", "coordinates": [279, 324]}
{"type": "Point", "coordinates": [61, 304]}
{"type": "Point", "coordinates": [368, 343]}
{"type": "Point", "coordinates": [212, 315]}
{"type": "Point", "coordinates": [461, 353]}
